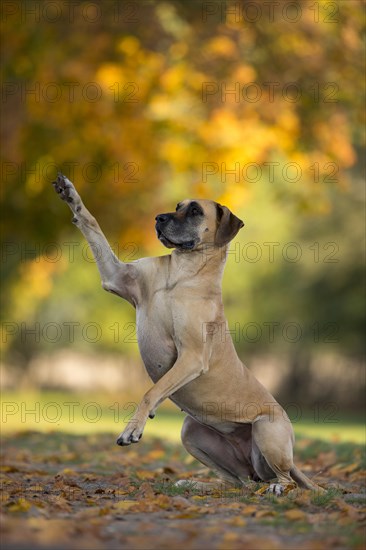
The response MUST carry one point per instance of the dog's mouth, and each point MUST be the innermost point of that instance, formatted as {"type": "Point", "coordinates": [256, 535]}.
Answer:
{"type": "Point", "coordinates": [186, 245]}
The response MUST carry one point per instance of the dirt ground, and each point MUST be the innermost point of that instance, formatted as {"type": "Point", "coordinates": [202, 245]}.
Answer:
{"type": "Point", "coordinates": [63, 491]}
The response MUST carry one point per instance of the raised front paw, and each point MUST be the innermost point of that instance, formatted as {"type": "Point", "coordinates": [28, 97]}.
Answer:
{"type": "Point", "coordinates": [131, 434]}
{"type": "Point", "coordinates": [67, 192]}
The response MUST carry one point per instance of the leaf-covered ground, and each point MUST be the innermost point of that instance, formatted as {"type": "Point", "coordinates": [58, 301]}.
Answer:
{"type": "Point", "coordinates": [84, 492]}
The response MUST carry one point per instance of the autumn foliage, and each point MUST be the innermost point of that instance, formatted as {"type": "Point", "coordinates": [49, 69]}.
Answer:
{"type": "Point", "coordinates": [80, 492]}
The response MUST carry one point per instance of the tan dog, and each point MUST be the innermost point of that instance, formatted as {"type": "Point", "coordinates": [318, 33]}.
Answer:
{"type": "Point", "coordinates": [234, 425]}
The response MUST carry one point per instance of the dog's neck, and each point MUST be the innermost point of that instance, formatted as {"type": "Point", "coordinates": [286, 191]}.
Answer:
{"type": "Point", "coordinates": [201, 262]}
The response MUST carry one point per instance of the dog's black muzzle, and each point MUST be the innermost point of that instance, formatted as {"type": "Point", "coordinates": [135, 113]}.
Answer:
{"type": "Point", "coordinates": [161, 222]}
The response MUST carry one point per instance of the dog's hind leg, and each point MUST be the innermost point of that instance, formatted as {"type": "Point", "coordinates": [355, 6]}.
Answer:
{"type": "Point", "coordinates": [274, 439]}
{"type": "Point", "coordinates": [215, 451]}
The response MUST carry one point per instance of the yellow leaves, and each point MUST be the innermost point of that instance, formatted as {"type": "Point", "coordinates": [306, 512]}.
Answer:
{"type": "Point", "coordinates": [161, 107]}
{"type": "Point", "coordinates": [290, 487]}
{"type": "Point", "coordinates": [265, 513]}
{"type": "Point", "coordinates": [245, 74]}
{"type": "Point", "coordinates": [67, 472]}
{"type": "Point", "coordinates": [295, 42]}
{"type": "Point", "coordinates": [222, 46]}
{"type": "Point", "coordinates": [347, 509]}
{"type": "Point", "coordinates": [21, 505]}
{"type": "Point", "coordinates": [180, 503]}
{"type": "Point", "coordinates": [35, 182]}
{"type": "Point", "coordinates": [178, 50]}
{"type": "Point", "coordinates": [7, 468]}
{"type": "Point", "coordinates": [176, 151]}
{"type": "Point", "coordinates": [236, 521]}
{"type": "Point", "coordinates": [108, 74]}
{"type": "Point", "coordinates": [289, 122]}
{"type": "Point", "coordinates": [234, 197]}
{"type": "Point", "coordinates": [333, 136]}
{"type": "Point", "coordinates": [104, 511]}
{"type": "Point", "coordinates": [250, 510]}
{"type": "Point", "coordinates": [189, 511]}
{"type": "Point", "coordinates": [295, 515]}
{"type": "Point", "coordinates": [185, 515]}
{"type": "Point", "coordinates": [146, 491]}
{"type": "Point", "coordinates": [58, 508]}
{"type": "Point", "coordinates": [173, 78]}
{"type": "Point", "coordinates": [34, 283]}
{"type": "Point", "coordinates": [38, 277]}
{"type": "Point", "coordinates": [60, 502]}
{"type": "Point", "coordinates": [147, 504]}
{"type": "Point", "coordinates": [344, 470]}
{"type": "Point", "coordinates": [125, 504]}
{"type": "Point", "coordinates": [262, 490]}
{"type": "Point", "coordinates": [358, 475]}
{"type": "Point", "coordinates": [199, 498]}
{"type": "Point", "coordinates": [155, 454]}
{"type": "Point", "coordinates": [129, 45]}
{"type": "Point", "coordinates": [301, 498]}
{"type": "Point", "coordinates": [145, 474]}
{"type": "Point", "coordinates": [224, 129]}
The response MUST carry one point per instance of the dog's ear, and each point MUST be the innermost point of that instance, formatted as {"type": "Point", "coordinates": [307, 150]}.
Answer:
{"type": "Point", "coordinates": [228, 226]}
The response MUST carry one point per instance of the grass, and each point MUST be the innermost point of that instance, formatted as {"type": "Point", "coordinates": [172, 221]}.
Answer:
{"type": "Point", "coordinates": [172, 490]}
{"type": "Point", "coordinates": [72, 476]}
{"type": "Point", "coordinates": [323, 499]}
{"type": "Point", "coordinates": [81, 414]}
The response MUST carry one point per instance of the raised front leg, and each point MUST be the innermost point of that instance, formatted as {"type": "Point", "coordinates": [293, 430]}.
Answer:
{"type": "Point", "coordinates": [117, 277]}
{"type": "Point", "coordinates": [188, 366]}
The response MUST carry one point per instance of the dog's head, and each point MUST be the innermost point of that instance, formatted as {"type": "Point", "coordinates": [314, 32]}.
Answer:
{"type": "Point", "coordinates": [195, 223]}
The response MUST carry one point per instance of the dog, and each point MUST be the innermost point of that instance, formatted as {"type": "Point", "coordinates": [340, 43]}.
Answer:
{"type": "Point", "coordinates": [233, 424]}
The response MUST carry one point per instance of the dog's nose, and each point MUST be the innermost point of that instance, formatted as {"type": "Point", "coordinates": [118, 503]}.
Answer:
{"type": "Point", "coordinates": [162, 218]}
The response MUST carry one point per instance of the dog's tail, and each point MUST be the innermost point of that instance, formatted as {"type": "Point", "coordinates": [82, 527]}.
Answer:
{"type": "Point", "coordinates": [303, 480]}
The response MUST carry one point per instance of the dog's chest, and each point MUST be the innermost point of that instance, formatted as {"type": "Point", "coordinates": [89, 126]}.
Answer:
{"type": "Point", "coordinates": [155, 339]}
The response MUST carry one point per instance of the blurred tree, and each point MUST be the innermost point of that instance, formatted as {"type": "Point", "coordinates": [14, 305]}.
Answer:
{"type": "Point", "coordinates": [144, 103]}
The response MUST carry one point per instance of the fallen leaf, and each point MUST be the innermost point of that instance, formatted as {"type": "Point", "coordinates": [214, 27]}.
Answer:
{"type": "Point", "coordinates": [21, 505]}
{"type": "Point", "coordinates": [104, 511]}
{"type": "Point", "coordinates": [249, 510]}
{"type": "Point", "coordinates": [66, 472]}
{"type": "Point", "coordinates": [180, 502]}
{"type": "Point", "coordinates": [237, 521]}
{"type": "Point", "coordinates": [302, 498]}
{"type": "Point", "coordinates": [7, 468]}
{"type": "Point", "coordinates": [346, 508]}
{"type": "Point", "coordinates": [295, 515]}
{"type": "Point", "coordinates": [155, 454]}
{"type": "Point", "coordinates": [124, 504]}
{"type": "Point", "coordinates": [262, 490]}
{"type": "Point", "coordinates": [265, 513]}
{"type": "Point", "coordinates": [185, 515]}
{"type": "Point", "coordinates": [169, 470]}
{"type": "Point", "coordinates": [145, 491]}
